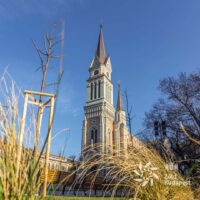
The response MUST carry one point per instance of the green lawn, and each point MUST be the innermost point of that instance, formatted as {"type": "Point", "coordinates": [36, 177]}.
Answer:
{"type": "Point", "coordinates": [80, 198]}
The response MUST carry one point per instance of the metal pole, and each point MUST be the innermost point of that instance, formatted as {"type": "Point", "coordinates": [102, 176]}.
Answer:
{"type": "Point", "coordinates": [48, 147]}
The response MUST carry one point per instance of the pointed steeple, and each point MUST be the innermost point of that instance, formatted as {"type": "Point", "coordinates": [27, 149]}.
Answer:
{"type": "Point", "coordinates": [100, 52]}
{"type": "Point", "coordinates": [119, 99]}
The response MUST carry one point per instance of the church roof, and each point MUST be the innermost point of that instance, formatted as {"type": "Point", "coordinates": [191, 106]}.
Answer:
{"type": "Point", "coordinates": [119, 100]}
{"type": "Point", "coordinates": [100, 52]}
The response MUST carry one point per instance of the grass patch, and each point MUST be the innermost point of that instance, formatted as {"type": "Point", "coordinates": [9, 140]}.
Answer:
{"type": "Point", "coordinates": [79, 198]}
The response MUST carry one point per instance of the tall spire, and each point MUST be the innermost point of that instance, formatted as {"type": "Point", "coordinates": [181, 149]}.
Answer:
{"type": "Point", "coordinates": [119, 99]}
{"type": "Point", "coordinates": [100, 52]}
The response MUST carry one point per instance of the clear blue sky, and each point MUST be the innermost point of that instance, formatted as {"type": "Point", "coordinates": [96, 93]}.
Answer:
{"type": "Point", "coordinates": [146, 39]}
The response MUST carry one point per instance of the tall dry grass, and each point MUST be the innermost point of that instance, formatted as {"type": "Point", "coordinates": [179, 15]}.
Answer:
{"type": "Point", "coordinates": [14, 184]}
{"type": "Point", "coordinates": [139, 173]}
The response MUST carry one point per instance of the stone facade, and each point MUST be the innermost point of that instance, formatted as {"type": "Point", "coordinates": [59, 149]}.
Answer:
{"type": "Point", "coordinates": [103, 124]}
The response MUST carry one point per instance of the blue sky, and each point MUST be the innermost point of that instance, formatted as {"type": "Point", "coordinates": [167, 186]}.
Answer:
{"type": "Point", "coordinates": [146, 39]}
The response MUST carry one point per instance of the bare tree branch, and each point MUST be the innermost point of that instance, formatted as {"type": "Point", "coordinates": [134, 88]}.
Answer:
{"type": "Point", "coordinates": [189, 135]}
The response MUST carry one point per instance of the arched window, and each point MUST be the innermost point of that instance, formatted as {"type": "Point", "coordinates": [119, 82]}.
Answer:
{"type": "Point", "coordinates": [95, 90]}
{"type": "Point", "coordinates": [96, 72]}
{"type": "Point", "coordinates": [99, 89]}
{"type": "Point", "coordinates": [91, 91]}
{"type": "Point", "coordinates": [93, 138]}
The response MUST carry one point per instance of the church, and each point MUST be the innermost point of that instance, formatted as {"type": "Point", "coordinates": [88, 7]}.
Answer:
{"type": "Point", "coordinates": [104, 124]}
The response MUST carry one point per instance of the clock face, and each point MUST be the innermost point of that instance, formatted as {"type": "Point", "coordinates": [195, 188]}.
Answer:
{"type": "Point", "coordinates": [96, 72]}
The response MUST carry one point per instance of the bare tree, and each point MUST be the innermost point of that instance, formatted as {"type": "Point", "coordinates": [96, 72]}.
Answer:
{"type": "Point", "coordinates": [51, 41]}
{"type": "Point", "coordinates": [181, 103]}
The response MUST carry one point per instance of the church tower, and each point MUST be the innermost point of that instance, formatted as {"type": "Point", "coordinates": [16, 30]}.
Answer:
{"type": "Point", "coordinates": [104, 127]}
{"type": "Point", "coordinates": [121, 133]}
{"type": "Point", "coordinates": [99, 109]}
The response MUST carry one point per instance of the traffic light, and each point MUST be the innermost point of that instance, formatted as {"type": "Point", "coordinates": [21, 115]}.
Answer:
{"type": "Point", "coordinates": [156, 128]}
{"type": "Point", "coordinates": [163, 126]}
